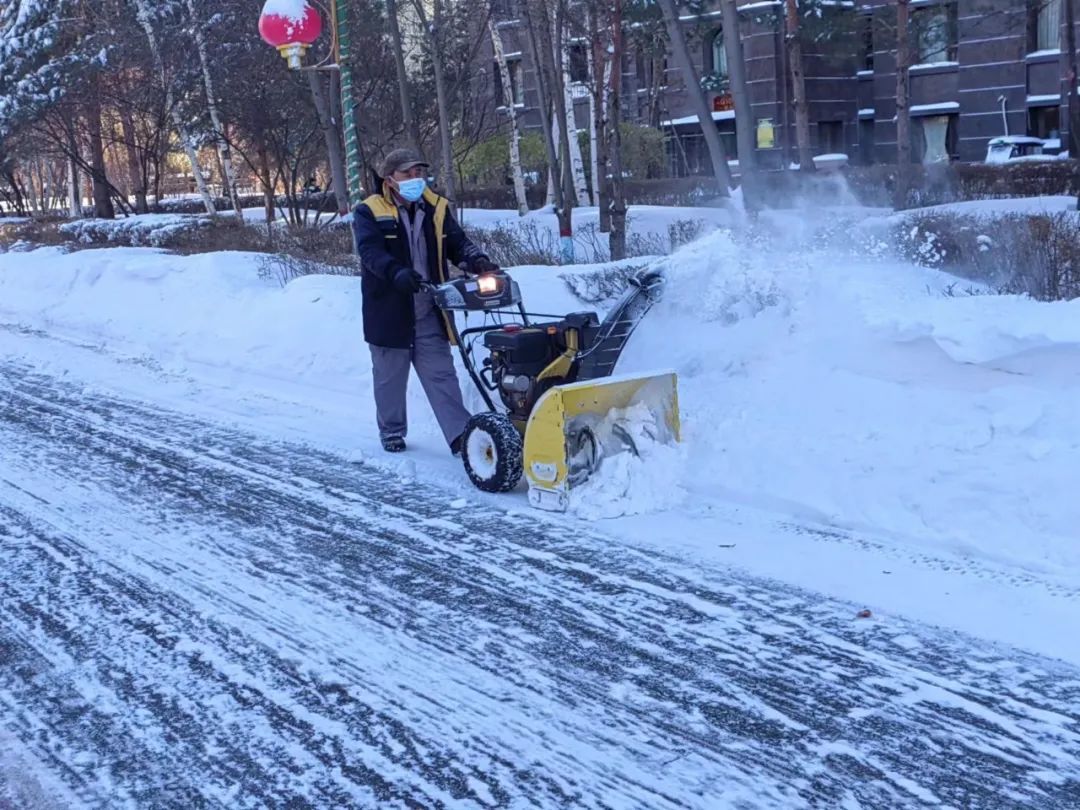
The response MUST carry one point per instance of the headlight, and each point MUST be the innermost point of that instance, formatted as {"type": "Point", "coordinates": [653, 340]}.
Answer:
{"type": "Point", "coordinates": [488, 285]}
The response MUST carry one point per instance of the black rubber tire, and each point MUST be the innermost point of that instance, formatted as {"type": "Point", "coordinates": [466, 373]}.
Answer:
{"type": "Point", "coordinates": [493, 435]}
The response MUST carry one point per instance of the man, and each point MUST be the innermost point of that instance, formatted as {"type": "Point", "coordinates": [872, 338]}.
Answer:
{"type": "Point", "coordinates": [404, 236]}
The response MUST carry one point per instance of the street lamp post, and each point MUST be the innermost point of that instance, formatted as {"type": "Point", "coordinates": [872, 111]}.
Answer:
{"type": "Point", "coordinates": [292, 26]}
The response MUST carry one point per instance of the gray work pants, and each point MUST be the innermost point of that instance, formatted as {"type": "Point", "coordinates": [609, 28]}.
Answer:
{"type": "Point", "coordinates": [431, 358]}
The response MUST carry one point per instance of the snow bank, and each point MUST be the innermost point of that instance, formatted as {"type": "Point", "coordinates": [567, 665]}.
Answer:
{"type": "Point", "coordinates": [856, 394]}
{"type": "Point", "coordinates": [997, 208]}
{"type": "Point", "coordinates": [813, 382]}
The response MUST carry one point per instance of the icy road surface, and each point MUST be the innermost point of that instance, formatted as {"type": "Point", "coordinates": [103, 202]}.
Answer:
{"type": "Point", "coordinates": [195, 617]}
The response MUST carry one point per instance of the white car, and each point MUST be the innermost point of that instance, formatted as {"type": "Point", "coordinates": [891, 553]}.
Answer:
{"type": "Point", "coordinates": [1017, 148]}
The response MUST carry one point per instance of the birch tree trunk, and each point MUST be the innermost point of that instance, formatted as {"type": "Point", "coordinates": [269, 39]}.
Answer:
{"type": "Point", "coordinates": [515, 131]}
{"type": "Point", "coordinates": [697, 98]}
{"type": "Point", "coordinates": [798, 86]}
{"type": "Point", "coordinates": [224, 152]}
{"type": "Point", "coordinates": [903, 121]}
{"type": "Point", "coordinates": [617, 235]}
{"type": "Point", "coordinates": [143, 14]}
{"type": "Point", "coordinates": [577, 162]}
{"type": "Point", "coordinates": [74, 194]}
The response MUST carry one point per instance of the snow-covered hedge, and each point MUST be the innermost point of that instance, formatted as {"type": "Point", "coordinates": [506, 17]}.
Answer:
{"type": "Point", "coordinates": [1036, 254]}
{"type": "Point", "coordinates": [149, 230]}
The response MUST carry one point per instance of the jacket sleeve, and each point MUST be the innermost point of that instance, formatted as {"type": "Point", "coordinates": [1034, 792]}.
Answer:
{"type": "Point", "coordinates": [371, 246]}
{"type": "Point", "coordinates": [459, 248]}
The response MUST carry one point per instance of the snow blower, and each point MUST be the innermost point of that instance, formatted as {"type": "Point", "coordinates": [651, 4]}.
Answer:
{"type": "Point", "coordinates": [565, 411]}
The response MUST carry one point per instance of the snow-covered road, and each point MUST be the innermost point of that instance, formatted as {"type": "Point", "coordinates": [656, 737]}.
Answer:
{"type": "Point", "coordinates": [192, 616]}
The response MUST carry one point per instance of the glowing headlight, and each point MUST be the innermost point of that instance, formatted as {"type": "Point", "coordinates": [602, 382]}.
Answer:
{"type": "Point", "coordinates": [488, 285]}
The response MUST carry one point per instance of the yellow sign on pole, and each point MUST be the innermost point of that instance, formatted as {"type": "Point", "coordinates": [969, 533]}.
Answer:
{"type": "Point", "coordinates": [766, 138]}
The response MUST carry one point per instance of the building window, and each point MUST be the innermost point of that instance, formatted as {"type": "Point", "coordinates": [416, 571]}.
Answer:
{"type": "Point", "coordinates": [830, 137]}
{"type": "Point", "coordinates": [868, 42]}
{"type": "Point", "coordinates": [866, 140]}
{"type": "Point", "coordinates": [719, 55]}
{"type": "Point", "coordinates": [1044, 25]}
{"type": "Point", "coordinates": [1044, 122]}
{"type": "Point", "coordinates": [579, 63]}
{"type": "Point", "coordinates": [935, 32]}
{"type": "Point", "coordinates": [935, 138]}
{"type": "Point", "coordinates": [516, 82]}
{"type": "Point", "coordinates": [651, 70]}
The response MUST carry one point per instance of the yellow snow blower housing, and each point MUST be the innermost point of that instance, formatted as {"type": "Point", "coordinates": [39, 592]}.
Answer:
{"type": "Point", "coordinates": [564, 410]}
{"type": "Point", "coordinates": [573, 427]}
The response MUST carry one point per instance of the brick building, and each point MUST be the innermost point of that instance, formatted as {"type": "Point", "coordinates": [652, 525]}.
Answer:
{"type": "Point", "coordinates": [982, 68]}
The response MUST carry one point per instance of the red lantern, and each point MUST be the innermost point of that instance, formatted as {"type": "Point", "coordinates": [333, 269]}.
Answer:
{"type": "Point", "coordinates": [291, 26]}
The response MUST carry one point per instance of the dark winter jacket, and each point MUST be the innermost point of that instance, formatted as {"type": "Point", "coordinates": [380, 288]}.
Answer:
{"type": "Point", "coordinates": [383, 246]}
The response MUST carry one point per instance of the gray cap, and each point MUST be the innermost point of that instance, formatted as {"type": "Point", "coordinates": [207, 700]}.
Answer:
{"type": "Point", "coordinates": [401, 160]}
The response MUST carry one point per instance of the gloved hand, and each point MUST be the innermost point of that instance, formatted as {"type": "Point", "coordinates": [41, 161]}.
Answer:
{"type": "Point", "coordinates": [484, 265]}
{"type": "Point", "coordinates": [407, 280]}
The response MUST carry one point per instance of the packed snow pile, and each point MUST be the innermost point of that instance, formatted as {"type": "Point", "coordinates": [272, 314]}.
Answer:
{"type": "Point", "coordinates": [640, 467]}
{"type": "Point", "coordinates": [856, 393]}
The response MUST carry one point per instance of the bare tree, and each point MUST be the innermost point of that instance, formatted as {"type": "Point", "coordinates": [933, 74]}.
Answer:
{"type": "Point", "coordinates": [188, 143]}
{"type": "Point", "coordinates": [1072, 77]}
{"type": "Point", "coordinates": [224, 155]}
{"type": "Point", "coordinates": [539, 27]}
{"type": "Point", "coordinates": [436, 42]}
{"type": "Point", "coordinates": [697, 98]}
{"type": "Point", "coordinates": [798, 85]}
{"type": "Point", "coordinates": [412, 133]}
{"type": "Point", "coordinates": [903, 121]}
{"type": "Point", "coordinates": [324, 110]}
{"type": "Point", "coordinates": [744, 118]}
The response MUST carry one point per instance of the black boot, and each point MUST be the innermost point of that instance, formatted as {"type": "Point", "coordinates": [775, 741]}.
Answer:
{"type": "Point", "coordinates": [393, 444]}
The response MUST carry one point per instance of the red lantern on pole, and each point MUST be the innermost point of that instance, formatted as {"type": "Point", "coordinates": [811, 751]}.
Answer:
{"type": "Point", "coordinates": [291, 26]}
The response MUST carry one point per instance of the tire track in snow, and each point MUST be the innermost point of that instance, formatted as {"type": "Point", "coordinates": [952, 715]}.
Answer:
{"type": "Point", "coordinates": [289, 628]}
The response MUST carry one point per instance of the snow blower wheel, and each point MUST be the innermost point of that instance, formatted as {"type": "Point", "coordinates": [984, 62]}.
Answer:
{"type": "Point", "coordinates": [492, 452]}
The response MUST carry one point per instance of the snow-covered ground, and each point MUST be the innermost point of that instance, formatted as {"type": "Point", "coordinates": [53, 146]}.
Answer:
{"type": "Point", "coordinates": [848, 427]}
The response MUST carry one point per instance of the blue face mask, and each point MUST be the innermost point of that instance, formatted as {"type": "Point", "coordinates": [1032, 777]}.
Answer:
{"type": "Point", "coordinates": [412, 190]}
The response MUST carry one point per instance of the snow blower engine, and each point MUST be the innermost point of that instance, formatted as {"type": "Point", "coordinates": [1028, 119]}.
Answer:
{"type": "Point", "coordinates": [564, 410]}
